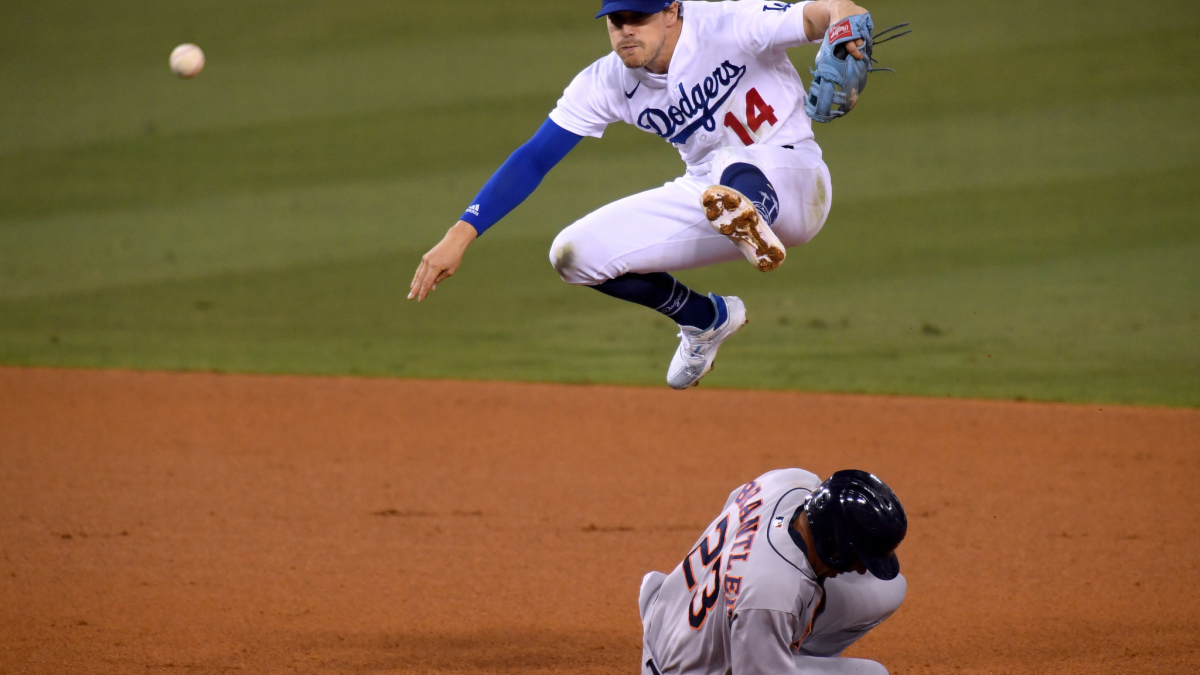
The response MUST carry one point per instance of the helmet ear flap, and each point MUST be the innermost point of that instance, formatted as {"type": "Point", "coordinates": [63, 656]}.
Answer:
{"type": "Point", "coordinates": [845, 556]}
{"type": "Point", "coordinates": [824, 513]}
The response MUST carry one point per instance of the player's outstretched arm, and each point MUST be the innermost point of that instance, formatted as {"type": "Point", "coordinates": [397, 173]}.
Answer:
{"type": "Point", "coordinates": [515, 180]}
{"type": "Point", "coordinates": [820, 15]}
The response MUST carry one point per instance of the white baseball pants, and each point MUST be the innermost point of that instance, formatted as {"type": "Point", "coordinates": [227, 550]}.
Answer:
{"type": "Point", "coordinates": [664, 229]}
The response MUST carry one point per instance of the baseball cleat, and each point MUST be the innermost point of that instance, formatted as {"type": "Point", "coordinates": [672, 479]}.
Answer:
{"type": "Point", "coordinates": [734, 216]}
{"type": "Point", "coordinates": [698, 347]}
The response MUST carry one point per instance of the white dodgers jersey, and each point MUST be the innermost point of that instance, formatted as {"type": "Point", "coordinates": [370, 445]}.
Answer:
{"type": "Point", "coordinates": [744, 598]}
{"type": "Point", "coordinates": [729, 84]}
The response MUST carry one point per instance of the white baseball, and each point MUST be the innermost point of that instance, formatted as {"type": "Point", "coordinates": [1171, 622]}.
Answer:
{"type": "Point", "coordinates": [187, 60]}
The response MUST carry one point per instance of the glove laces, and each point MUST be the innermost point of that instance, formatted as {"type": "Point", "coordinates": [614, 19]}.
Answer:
{"type": "Point", "coordinates": [875, 43]}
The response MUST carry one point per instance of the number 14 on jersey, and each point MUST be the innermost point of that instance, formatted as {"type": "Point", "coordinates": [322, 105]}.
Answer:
{"type": "Point", "coordinates": [758, 113]}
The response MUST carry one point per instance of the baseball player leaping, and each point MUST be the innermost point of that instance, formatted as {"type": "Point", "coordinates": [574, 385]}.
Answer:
{"type": "Point", "coordinates": [790, 573]}
{"type": "Point", "coordinates": [714, 80]}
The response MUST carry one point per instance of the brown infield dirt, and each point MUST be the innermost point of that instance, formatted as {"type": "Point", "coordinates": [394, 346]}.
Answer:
{"type": "Point", "coordinates": [198, 523]}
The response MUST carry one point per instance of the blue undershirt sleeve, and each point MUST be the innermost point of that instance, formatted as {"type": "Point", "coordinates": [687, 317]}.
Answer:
{"type": "Point", "coordinates": [520, 175]}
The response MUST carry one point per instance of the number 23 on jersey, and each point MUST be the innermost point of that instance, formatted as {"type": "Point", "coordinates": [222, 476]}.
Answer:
{"type": "Point", "coordinates": [702, 568]}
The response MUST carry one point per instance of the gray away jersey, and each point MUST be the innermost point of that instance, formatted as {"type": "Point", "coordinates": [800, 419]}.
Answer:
{"type": "Point", "coordinates": [744, 598]}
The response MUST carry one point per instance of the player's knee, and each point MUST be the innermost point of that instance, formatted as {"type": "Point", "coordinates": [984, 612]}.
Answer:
{"type": "Point", "coordinates": [833, 665]}
{"type": "Point", "coordinates": [569, 257]}
{"type": "Point", "coordinates": [563, 257]}
{"type": "Point", "coordinates": [889, 596]}
{"type": "Point", "coordinates": [899, 589]}
{"type": "Point", "coordinates": [866, 667]}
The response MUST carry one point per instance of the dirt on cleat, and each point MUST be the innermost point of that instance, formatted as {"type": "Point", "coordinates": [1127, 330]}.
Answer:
{"type": "Point", "coordinates": [734, 216]}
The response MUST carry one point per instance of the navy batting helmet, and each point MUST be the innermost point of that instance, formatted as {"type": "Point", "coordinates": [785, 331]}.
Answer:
{"type": "Point", "coordinates": [854, 516]}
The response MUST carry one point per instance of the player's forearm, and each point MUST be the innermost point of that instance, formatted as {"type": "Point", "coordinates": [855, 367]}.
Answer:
{"type": "Point", "coordinates": [520, 175]}
{"type": "Point", "coordinates": [820, 15]}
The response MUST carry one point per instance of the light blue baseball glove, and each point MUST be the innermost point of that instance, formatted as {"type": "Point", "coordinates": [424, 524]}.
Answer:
{"type": "Point", "coordinates": [838, 77]}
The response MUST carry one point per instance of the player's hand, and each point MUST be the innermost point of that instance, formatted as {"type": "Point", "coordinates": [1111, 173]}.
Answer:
{"type": "Point", "coordinates": [852, 49]}
{"type": "Point", "coordinates": [442, 261]}
{"type": "Point", "coordinates": [841, 10]}
{"type": "Point", "coordinates": [831, 12]}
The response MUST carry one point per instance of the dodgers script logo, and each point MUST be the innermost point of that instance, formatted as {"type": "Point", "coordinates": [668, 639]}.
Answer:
{"type": "Point", "coordinates": [697, 110]}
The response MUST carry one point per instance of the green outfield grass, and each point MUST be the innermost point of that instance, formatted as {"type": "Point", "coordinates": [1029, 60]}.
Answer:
{"type": "Point", "coordinates": [1016, 212]}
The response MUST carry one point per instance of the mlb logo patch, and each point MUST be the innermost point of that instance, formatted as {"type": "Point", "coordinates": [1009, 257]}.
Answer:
{"type": "Point", "coordinates": [840, 30]}
{"type": "Point", "coordinates": [779, 522]}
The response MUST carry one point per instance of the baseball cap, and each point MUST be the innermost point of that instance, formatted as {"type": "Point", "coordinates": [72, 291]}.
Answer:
{"type": "Point", "coordinates": [643, 6]}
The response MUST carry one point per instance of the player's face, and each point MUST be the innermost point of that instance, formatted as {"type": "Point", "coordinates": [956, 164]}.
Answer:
{"type": "Point", "coordinates": [859, 567]}
{"type": "Point", "coordinates": [636, 37]}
